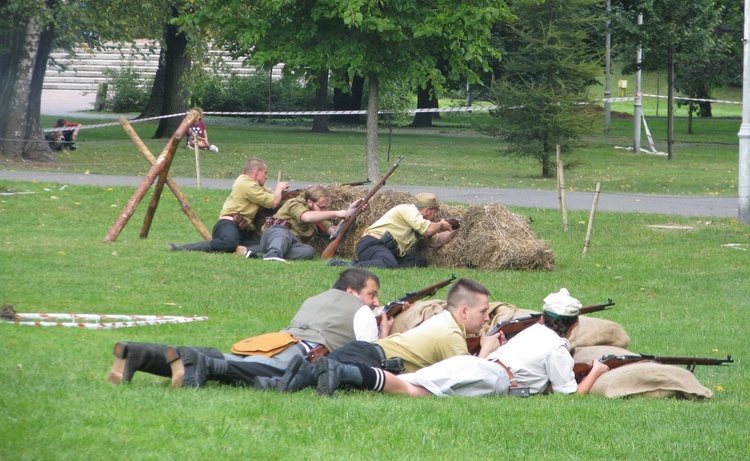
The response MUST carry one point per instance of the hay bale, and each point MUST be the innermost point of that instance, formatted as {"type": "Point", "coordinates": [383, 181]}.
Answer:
{"type": "Point", "coordinates": [491, 237]}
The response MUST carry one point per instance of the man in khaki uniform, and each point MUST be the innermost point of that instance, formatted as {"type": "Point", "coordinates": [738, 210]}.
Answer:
{"type": "Point", "coordinates": [287, 234]}
{"type": "Point", "coordinates": [386, 242]}
{"type": "Point", "coordinates": [235, 225]}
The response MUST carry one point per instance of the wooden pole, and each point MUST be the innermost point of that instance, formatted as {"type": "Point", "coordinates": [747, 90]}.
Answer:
{"type": "Point", "coordinates": [181, 198]}
{"type": "Point", "coordinates": [169, 151]}
{"type": "Point", "coordinates": [138, 195]}
{"type": "Point", "coordinates": [197, 164]}
{"type": "Point", "coordinates": [561, 190]}
{"type": "Point", "coordinates": [591, 217]}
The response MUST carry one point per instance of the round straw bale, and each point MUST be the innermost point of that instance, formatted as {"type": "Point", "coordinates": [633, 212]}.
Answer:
{"type": "Point", "coordinates": [490, 238]}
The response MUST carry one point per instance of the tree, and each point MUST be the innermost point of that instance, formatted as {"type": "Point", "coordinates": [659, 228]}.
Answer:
{"type": "Point", "coordinates": [672, 32]}
{"type": "Point", "coordinates": [548, 67]}
{"type": "Point", "coordinates": [379, 40]}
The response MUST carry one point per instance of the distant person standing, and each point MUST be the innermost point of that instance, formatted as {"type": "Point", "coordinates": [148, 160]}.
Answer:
{"type": "Point", "coordinates": [64, 136]}
{"type": "Point", "coordinates": [235, 226]}
{"type": "Point", "coordinates": [199, 134]}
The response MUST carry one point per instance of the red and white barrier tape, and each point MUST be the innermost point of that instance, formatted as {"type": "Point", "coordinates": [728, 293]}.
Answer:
{"type": "Point", "coordinates": [99, 321]}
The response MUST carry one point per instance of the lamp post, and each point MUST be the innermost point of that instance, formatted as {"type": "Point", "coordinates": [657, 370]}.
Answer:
{"type": "Point", "coordinates": [638, 104]}
{"type": "Point", "coordinates": [743, 191]}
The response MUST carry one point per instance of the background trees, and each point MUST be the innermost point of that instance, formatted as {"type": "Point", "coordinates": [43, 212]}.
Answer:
{"type": "Point", "coordinates": [541, 90]}
{"type": "Point", "coordinates": [379, 41]}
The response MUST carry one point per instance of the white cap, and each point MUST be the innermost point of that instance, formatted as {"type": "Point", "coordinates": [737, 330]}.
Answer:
{"type": "Point", "coordinates": [562, 305]}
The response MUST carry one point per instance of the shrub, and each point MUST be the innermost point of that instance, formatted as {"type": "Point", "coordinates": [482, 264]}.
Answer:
{"type": "Point", "coordinates": [128, 90]}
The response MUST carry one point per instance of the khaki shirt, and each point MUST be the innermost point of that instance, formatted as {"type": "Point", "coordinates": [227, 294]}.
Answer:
{"type": "Point", "coordinates": [246, 198]}
{"type": "Point", "coordinates": [438, 338]}
{"type": "Point", "coordinates": [292, 211]}
{"type": "Point", "coordinates": [406, 225]}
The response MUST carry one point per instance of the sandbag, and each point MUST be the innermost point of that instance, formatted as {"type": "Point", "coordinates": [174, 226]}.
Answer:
{"type": "Point", "coordinates": [650, 379]}
{"type": "Point", "coordinates": [416, 314]}
{"type": "Point", "coordinates": [598, 332]}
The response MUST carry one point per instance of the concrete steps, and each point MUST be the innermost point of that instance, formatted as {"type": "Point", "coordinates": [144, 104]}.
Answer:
{"type": "Point", "coordinates": [85, 71]}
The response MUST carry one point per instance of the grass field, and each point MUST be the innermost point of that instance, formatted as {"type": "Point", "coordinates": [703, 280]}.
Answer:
{"type": "Point", "coordinates": [677, 293]}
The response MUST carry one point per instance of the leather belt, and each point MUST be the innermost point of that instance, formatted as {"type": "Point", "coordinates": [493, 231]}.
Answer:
{"type": "Point", "coordinates": [513, 382]}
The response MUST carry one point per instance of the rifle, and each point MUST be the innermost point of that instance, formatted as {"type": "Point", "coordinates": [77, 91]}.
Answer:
{"type": "Point", "coordinates": [339, 233]}
{"type": "Point", "coordinates": [454, 222]}
{"type": "Point", "coordinates": [614, 361]}
{"type": "Point", "coordinates": [394, 308]}
{"type": "Point", "coordinates": [510, 328]}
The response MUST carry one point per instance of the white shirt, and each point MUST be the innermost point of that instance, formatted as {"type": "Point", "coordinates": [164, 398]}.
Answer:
{"type": "Point", "coordinates": [536, 356]}
{"type": "Point", "coordinates": [365, 325]}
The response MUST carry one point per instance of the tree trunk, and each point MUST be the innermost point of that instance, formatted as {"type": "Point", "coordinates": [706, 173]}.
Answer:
{"type": "Point", "coordinates": [320, 122]}
{"type": "Point", "coordinates": [176, 64]}
{"type": "Point", "coordinates": [691, 108]}
{"type": "Point", "coordinates": [670, 104]}
{"type": "Point", "coordinates": [156, 100]}
{"type": "Point", "coordinates": [373, 164]}
{"type": "Point", "coordinates": [351, 100]}
{"type": "Point", "coordinates": [23, 67]}
{"type": "Point", "coordinates": [425, 100]}
{"type": "Point", "coordinates": [546, 163]}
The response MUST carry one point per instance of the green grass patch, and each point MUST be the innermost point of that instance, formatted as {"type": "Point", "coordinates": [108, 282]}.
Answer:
{"type": "Point", "coordinates": [676, 292]}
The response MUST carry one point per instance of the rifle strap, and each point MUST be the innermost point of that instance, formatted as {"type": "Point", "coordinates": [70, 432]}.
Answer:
{"type": "Point", "coordinates": [513, 382]}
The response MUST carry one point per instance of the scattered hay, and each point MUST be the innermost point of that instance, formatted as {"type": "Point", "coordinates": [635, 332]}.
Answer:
{"type": "Point", "coordinates": [491, 237]}
{"type": "Point", "coordinates": [8, 312]}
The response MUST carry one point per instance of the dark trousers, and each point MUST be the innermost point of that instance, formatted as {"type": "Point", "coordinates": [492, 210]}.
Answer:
{"type": "Point", "coordinates": [226, 236]}
{"type": "Point", "coordinates": [372, 253]}
{"type": "Point", "coordinates": [359, 352]}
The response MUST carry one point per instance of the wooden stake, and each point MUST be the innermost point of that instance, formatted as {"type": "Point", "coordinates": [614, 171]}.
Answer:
{"type": "Point", "coordinates": [155, 171]}
{"type": "Point", "coordinates": [561, 190]}
{"type": "Point", "coordinates": [197, 164]}
{"type": "Point", "coordinates": [169, 150]}
{"type": "Point", "coordinates": [181, 198]}
{"type": "Point", "coordinates": [591, 217]}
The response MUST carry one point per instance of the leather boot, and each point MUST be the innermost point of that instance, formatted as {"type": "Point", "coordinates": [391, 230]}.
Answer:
{"type": "Point", "coordinates": [198, 246]}
{"type": "Point", "coordinates": [132, 357]}
{"type": "Point", "coordinates": [192, 368]}
{"type": "Point", "coordinates": [298, 375]}
{"type": "Point", "coordinates": [264, 383]}
{"type": "Point", "coordinates": [332, 375]}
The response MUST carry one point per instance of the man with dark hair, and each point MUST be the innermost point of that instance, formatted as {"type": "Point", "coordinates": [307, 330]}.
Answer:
{"type": "Point", "coordinates": [286, 235]}
{"type": "Point", "coordinates": [235, 226]}
{"type": "Point", "coordinates": [438, 338]}
{"type": "Point", "coordinates": [330, 319]}
{"type": "Point", "coordinates": [534, 361]}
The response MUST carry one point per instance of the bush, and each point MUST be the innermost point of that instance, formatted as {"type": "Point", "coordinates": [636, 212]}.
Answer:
{"type": "Point", "coordinates": [251, 94]}
{"type": "Point", "coordinates": [128, 90]}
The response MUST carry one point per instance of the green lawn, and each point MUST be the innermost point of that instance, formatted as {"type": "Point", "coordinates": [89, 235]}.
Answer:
{"type": "Point", "coordinates": [678, 293]}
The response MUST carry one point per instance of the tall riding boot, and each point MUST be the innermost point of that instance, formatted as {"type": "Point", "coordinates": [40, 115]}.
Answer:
{"type": "Point", "coordinates": [191, 368]}
{"type": "Point", "coordinates": [299, 374]}
{"type": "Point", "coordinates": [332, 375]}
{"type": "Point", "coordinates": [198, 246]}
{"type": "Point", "coordinates": [132, 357]}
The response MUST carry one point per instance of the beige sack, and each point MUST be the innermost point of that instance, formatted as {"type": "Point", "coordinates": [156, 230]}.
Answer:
{"type": "Point", "coordinates": [649, 379]}
{"type": "Point", "coordinates": [598, 332]}
{"type": "Point", "coordinates": [416, 314]}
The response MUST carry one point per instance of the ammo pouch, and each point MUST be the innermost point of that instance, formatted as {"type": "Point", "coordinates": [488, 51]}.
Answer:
{"type": "Point", "coordinates": [389, 242]}
{"type": "Point", "coordinates": [394, 365]}
{"type": "Point", "coordinates": [240, 221]}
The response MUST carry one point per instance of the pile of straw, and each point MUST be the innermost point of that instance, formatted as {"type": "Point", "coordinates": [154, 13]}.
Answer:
{"type": "Point", "coordinates": [491, 237]}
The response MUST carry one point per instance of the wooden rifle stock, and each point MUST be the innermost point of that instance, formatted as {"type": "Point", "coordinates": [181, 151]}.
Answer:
{"type": "Point", "coordinates": [614, 361]}
{"type": "Point", "coordinates": [339, 234]}
{"type": "Point", "coordinates": [394, 308]}
{"type": "Point", "coordinates": [510, 328]}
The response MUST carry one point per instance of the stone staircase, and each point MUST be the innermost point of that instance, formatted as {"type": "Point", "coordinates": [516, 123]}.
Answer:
{"type": "Point", "coordinates": [85, 71]}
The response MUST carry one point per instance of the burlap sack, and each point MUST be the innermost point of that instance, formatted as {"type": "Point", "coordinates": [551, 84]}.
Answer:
{"type": "Point", "coordinates": [642, 379]}
{"type": "Point", "coordinates": [598, 332]}
{"type": "Point", "coordinates": [649, 379]}
{"type": "Point", "coordinates": [416, 314]}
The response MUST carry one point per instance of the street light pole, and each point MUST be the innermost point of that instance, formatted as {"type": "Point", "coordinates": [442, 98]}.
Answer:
{"type": "Point", "coordinates": [638, 105]}
{"type": "Point", "coordinates": [607, 73]}
{"type": "Point", "coordinates": [744, 134]}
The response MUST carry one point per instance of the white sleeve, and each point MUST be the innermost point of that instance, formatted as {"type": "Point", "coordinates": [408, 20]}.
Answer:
{"type": "Point", "coordinates": [365, 326]}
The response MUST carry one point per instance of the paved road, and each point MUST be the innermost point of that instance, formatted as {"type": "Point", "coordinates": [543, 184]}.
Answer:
{"type": "Point", "coordinates": [638, 203]}
{"type": "Point", "coordinates": [67, 103]}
